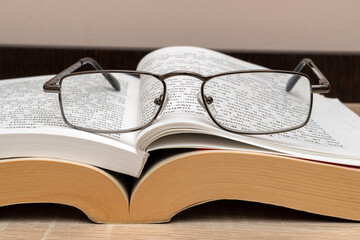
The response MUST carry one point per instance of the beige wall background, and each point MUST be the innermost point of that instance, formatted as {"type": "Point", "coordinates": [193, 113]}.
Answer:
{"type": "Point", "coordinates": [273, 25]}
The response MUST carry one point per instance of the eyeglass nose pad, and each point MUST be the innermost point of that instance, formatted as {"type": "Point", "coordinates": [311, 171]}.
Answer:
{"type": "Point", "coordinates": [158, 101]}
{"type": "Point", "coordinates": [209, 104]}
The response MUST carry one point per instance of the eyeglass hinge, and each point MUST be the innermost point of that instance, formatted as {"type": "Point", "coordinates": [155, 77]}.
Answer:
{"type": "Point", "coordinates": [322, 88]}
{"type": "Point", "coordinates": [52, 86]}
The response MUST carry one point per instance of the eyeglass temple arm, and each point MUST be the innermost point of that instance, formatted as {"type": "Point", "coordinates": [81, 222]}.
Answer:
{"type": "Point", "coordinates": [322, 87]}
{"type": "Point", "coordinates": [53, 84]}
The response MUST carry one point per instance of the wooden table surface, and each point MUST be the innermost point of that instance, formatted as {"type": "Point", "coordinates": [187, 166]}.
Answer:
{"type": "Point", "coordinates": [217, 220]}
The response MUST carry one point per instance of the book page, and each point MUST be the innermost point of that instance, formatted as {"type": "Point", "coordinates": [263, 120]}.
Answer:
{"type": "Point", "coordinates": [183, 90]}
{"type": "Point", "coordinates": [184, 113]}
{"type": "Point", "coordinates": [31, 125]}
{"type": "Point", "coordinates": [24, 105]}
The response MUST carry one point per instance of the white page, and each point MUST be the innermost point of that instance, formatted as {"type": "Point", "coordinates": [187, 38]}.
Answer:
{"type": "Point", "coordinates": [182, 90]}
{"type": "Point", "coordinates": [24, 105]}
{"type": "Point", "coordinates": [31, 125]}
{"type": "Point", "coordinates": [184, 113]}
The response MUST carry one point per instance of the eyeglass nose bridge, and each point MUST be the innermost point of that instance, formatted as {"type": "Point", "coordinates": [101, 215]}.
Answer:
{"type": "Point", "coordinates": [165, 76]}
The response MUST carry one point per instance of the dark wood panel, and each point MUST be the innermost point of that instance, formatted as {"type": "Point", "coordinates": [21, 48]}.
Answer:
{"type": "Point", "coordinates": [342, 69]}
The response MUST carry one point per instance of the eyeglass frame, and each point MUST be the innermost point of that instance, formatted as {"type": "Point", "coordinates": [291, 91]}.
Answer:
{"type": "Point", "coordinates": [54, 86]}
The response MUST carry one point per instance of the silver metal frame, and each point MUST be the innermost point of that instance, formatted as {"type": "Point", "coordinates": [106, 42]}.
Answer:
{"type": "Point", "coordinates": [54, 86]}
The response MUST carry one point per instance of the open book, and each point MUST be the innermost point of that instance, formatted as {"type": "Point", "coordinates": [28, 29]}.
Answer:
{"type": "Point", "coordinates": [31, 123]}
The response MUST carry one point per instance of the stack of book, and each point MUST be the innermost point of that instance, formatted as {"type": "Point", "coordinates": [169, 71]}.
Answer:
{"type": "Point", "coordinates": [181, 160]}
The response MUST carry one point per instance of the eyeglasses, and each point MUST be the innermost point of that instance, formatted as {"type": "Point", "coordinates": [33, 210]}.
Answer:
{"type": "Point", "coordinates": [243, 102]}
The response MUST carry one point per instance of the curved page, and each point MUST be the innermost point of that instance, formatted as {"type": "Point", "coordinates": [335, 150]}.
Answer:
{"type": "Point", "coordinates": [332, 134]}
{"type": "Point", "coordinates": [31, 126]}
